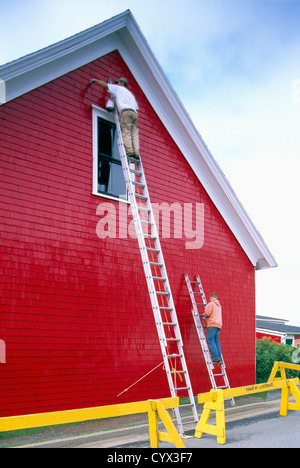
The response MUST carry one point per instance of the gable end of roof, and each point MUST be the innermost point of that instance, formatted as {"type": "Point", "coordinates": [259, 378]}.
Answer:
{"type": "Point", "coordinates": [123, 33]}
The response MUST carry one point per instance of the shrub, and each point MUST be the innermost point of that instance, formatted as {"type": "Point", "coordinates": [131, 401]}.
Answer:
{"type": "Point", "coordinates": [267, 352]}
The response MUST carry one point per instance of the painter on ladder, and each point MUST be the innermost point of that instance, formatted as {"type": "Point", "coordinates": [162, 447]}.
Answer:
{"type": "Point", "coordinates": [128, 109]}
{"type": "Point", "coordinates": [213, 314]}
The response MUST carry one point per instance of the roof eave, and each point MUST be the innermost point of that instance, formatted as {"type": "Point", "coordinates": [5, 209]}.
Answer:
{"type": "Point", "coordinates": [271, 332]}
{"type": "Point", "coordinates": [42, 66]}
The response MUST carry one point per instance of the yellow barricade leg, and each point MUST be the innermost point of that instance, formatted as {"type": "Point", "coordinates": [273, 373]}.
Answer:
{"type": "Point", "coordinates": [201, 426]}
{"type": "Point", "coordinates": [274, 372]}
{"type": "Point", "coordinates": [172, 433]}
{"type": "Point", "coordinates": [282, 372]}
{"type": "Point", "coordinates": [220, 420]}
{"type": "Point", "coordinates": [284, 400]}
{"type": "Point", "coordinates": [157, 409]}
{"type": "Point", "coordinates": [219, 429]}
{"type": "Point", "coordinates": [153, 427]}
{"type": "Point", "coordinates": [285, 405]}
{"type": "Point", "coordinates": [294, 390]}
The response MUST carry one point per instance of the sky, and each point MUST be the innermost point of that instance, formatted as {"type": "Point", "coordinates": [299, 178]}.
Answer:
{"type": "Point", "coordinates": [235, 66]}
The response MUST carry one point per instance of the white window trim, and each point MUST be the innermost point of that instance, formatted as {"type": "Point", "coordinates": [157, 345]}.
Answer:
{"type": "Point", "coordinates": [103, 114]}
{"type": "Point", "coordinates": [290, 337]}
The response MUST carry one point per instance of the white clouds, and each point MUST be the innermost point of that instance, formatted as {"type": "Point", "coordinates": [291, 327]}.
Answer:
{"type": "Point", "coordinates": [295, 97]}
{"type": "Point", "coordinates": [251, 123]}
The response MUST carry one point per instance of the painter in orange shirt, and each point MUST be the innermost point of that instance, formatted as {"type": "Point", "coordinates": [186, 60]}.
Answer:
{"type": "Point", "coordinates": [213, 314]}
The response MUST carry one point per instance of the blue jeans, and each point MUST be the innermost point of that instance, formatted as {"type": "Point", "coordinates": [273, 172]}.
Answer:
{"type": "Point", "coordinates": [213, 342]}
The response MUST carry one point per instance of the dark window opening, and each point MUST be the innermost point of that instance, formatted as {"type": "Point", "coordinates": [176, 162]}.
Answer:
{"type": "Point", "coordinates": [109, 169]}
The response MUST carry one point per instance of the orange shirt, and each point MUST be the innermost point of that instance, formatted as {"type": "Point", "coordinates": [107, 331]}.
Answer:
{"type": "Point", "coordinates": [213, 312]}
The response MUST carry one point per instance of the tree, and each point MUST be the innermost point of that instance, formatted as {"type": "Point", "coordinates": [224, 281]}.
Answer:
{"type": "Point", "coordinates": [267, 352]}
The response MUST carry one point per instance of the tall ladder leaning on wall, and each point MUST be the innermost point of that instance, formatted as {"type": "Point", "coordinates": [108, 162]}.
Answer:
{"type": "Point", "coordinates": [218, 378]}
{"type": "Point", "coordinates": [161, 298]}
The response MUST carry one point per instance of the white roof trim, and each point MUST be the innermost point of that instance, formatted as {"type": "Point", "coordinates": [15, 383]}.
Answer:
{"type": "Point", "coordinates": [262, 318]}
{"type": "Point", "coordinates": [123, 33]}
{"type": "Point", "coordinates": [271, 332]}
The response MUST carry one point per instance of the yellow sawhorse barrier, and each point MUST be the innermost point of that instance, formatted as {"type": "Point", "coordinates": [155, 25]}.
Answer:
{"type": "Point", "coordinates": [214, 400]}
{"type": "Point", "coordinates": [280, 367]}
{"type": "Point", "coordinates": [285, 404]}
{"type": "Point", "coordinates": [156, 409]}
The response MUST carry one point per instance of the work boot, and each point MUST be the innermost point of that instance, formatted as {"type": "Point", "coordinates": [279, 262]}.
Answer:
{"type": "Point", "coordinates": [133, 157]}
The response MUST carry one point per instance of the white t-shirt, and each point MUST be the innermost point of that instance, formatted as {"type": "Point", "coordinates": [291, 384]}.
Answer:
{"type": "Point", "coordinates": [124, 98]}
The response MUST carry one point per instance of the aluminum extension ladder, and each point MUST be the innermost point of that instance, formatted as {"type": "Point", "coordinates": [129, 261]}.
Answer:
{"type": "Point", "coordinates": [218, 378]}
{"type": "Point", "coordinates": [157, 280]}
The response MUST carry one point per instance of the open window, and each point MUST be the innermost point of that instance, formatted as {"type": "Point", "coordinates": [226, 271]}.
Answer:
{"type": "Point", "coordinates": [108, 177]}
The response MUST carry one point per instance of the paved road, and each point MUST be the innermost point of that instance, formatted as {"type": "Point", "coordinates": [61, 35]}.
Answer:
{"type": "Point", "coordinates": [264, 431]}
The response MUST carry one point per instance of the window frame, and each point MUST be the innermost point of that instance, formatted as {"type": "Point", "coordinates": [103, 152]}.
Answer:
{"type": "Point", "coordinates": [107, 116]}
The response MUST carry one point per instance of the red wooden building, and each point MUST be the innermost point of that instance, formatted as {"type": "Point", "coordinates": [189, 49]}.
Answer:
{"type": "Point", "coordinates": [76, 321]}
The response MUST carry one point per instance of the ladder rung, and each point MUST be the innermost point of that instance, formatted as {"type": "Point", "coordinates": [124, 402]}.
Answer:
{"type": "Point", "coordinates": [133, 159]}
{"type": "Point", "coordinates": [152, 250]}
{"type": "Point", "coordinates": [173, 355]}
{"type": "Point", "coordinates": [149, 236]}
{"type": "Point", "coordinates": [156, 264]}
{"type": "Point", "coordinates": [142, 208]}
{"type": "Point", "coordinates": [146, 222]}
{"type": "Point", "coordinates": [178, 372]}
{"type": "Point", "coordinates": [181, 388]}
{"type": "Point", "coordinates": [162, 293]}
{"type": "Point", "coordinates": [186, 405]}
{"type": "Point", "coordinates": [169, 323]}
{"type": "Point", "coordinates": [138, 184]}
{"type": "Point", "coordinates": [159, 278]}
{"type": "Point", "coordinates": [141, 197]}
{"type": "Point", "coordinates": [135, 172]}
{"type": "Point", "coordinates": [172, 339]}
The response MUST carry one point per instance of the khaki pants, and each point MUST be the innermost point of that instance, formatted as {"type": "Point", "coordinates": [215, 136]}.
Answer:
{"type": "Point", "coordinates": [130, 132]}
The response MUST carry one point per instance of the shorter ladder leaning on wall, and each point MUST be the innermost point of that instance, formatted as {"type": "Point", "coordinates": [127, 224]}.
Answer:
{"type": "Point", "coordinates": [218, 378]}
{"type": "Point", "coordinates": [157, 280]}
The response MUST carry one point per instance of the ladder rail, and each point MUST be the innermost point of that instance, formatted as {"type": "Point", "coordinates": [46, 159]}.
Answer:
{"type": "Point", "coordinates": [149, 261]}
{"type": "Point", "coordinates": [160, 257]}
{"type": "Point", "coordinates": [139, 232]}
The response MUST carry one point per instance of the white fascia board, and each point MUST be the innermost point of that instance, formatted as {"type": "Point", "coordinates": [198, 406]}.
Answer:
{"type": "Point", "coordinates": [271, 320]}
{"type": "Point", "coordinates": [38, 68]}
{"type": "Point", "coordinates": [45, 72]}
{"type": "Point", "coordinates": [2, 92]}
{"type": "Point", "coordinates": [271, 332]}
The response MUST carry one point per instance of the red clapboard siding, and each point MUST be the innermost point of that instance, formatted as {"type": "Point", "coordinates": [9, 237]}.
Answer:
{"type": "Point", "coordinates": [75, 312]}
{"type": "Point", "coordinates": [275, 338]}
